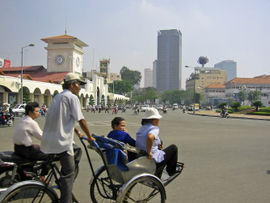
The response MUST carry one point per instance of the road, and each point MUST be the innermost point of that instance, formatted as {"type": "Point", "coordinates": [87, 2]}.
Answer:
{"type": "Point", "coordinates": [226, 160]}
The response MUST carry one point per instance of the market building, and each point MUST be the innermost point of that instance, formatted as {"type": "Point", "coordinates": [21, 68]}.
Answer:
{"type": "Point", "coordinates": [64, 55]}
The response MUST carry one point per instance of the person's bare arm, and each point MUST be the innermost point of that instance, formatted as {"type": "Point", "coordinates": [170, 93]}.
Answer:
{"type": "Point", "coordinates": [149, 143]}
{"type": "Point", "coordinates": [85, 128]}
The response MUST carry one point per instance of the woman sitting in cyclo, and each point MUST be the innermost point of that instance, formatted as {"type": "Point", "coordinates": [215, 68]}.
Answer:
{"type": "Point", "coordinates": [147, 139]}
{"type": "Point", "coordinates": [120, 133]}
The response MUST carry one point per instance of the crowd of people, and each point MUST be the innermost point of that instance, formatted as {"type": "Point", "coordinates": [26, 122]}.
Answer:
{"type": "Point", "coordinates": [57, 137]}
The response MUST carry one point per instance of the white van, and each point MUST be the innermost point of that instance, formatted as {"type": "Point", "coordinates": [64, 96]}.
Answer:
{"type": "Point", "coordinates": [175, 106]}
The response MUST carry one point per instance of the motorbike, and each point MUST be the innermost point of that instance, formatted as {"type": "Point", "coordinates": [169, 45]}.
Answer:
{"type": "Point", "coordinates": [14, 169]}
{"type": "Point", "coordinates": [6, 118]}
{"type": "Point", "coordinates": [224, 114]}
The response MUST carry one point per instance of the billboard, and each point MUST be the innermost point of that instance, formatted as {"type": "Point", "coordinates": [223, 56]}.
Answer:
{"type": "Point", "coordinates": [7, 63]}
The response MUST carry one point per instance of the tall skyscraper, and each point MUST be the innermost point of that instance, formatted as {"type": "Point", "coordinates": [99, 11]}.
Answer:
{"type": "Point", "coordinates": [229, 66]}
{"type": "Point", "coordinates": [155, 74]}
{"type": "Point", "coordinates": [169, 60]}
{"type": "Point", "coordinates": [148, 77]}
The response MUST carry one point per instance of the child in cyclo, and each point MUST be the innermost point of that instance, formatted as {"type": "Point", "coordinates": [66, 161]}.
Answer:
{"type": "Point", "coordinates": [120, 133]}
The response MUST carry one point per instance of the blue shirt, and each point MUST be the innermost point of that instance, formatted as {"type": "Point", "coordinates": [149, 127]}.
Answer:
{"type": "Point", "coordinates": [122, 136]}
{"type": "Point", "coordinates": [141, 138]}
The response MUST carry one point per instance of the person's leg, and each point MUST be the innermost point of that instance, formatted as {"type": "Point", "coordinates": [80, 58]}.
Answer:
{"type": "Point", "coordinates": [67, 177]}
{"type": "Point", "coordinates": [171, 156]}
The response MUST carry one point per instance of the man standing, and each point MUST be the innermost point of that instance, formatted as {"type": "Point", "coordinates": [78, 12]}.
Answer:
{"type": "Point", "coordinates": [59, 129]}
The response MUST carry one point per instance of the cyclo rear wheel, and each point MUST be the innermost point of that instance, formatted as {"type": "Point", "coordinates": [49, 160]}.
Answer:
{"type": "Point", "coordinates": [142, 188]}
{"type": "Point", "coordinates": [101, 189]}
{"type": "Point", "coordinates": [29, 191]}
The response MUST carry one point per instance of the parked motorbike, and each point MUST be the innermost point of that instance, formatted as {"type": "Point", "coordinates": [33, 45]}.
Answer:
{"type": "Point", "coordinates": [6, 118]}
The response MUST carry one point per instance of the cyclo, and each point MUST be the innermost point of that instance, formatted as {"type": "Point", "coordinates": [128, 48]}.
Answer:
{"type": "Point", "coordinates": [114, 181]}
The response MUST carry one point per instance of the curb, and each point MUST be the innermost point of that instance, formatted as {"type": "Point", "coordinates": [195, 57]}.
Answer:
{"type": "Point", "coordinates": [260, 119]}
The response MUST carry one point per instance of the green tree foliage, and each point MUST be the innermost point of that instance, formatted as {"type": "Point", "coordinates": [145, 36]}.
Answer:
{"type": "Point", "coordinates": [91, 100]}
{"type": "Point", "coordinates": [254, 96]}
{"type": "Point", "coordinates": [221, 105]}
{"type": "Point", "coordinates": [173, 96]}
{"type": "Point", "coordinates": [144, 94]}
{"type": "Point", "coordinates": [134, 77]}
{"type": "Point", "coordinates": [120, 87]}
{"type": "Point", "coordinates": [26, 95]}
{"type": "Point", "coordinates": [108, 101]}
{"type": "Point", "coordinates": [235, 106]}
{"type": "Point", "coordinates": [257, 104]}
{"type": "Point", "coordinates": [242, 96]}
{"type": "Point", "coordinates": [102, 100]}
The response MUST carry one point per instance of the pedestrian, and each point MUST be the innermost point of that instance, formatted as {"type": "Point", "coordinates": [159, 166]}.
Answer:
{"type": "Point", "coordinates": [59, 130]}
{"type": "Point", "coordinates": [147, 139]}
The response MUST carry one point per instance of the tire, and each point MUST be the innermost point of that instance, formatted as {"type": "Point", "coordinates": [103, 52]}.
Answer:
{"type": "Point", "coordinates": [29, 191]}
{"type": "Point", "coordinates": [142, 188]}
{"type": "Point", "coordinates": [100, 188]}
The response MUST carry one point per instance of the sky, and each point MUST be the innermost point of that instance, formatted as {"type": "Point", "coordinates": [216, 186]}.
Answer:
{"type": "Point", "coordinates": [125, 31]}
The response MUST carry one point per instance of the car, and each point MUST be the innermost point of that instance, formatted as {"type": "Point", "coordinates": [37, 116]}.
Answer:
{"type": "Point", "coordinates": [144, 107]}
{"type": "Point", "coordinates": [175, 106]}
{"type": "Point", "coordinates": [19, 109]}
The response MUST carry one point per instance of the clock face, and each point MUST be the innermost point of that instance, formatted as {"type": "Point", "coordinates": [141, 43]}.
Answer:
{"type": "Point", "coordinates": [59, 59]}
{"type": "Point", "coordinates": [78, 61]}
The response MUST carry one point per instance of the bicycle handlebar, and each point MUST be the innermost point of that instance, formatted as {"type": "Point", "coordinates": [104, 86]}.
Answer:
{"type": "Point", "coordinates": [93, 142]}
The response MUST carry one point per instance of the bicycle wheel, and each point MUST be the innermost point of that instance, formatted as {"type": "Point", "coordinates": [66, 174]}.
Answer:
{"type": "Point", "coordinates": [29, 191]}
{"type": "Point", "coordinates": [142, 188]}
{"type": "Point", "coordinates": [101, 189]}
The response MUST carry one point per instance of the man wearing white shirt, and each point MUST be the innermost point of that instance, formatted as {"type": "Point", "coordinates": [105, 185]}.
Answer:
{"type": "Point", "coordinates": [59, 129]}
{"type": "Point", "coordinates": [25, 130]}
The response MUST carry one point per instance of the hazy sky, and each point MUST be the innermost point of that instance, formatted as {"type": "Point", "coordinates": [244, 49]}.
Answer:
{"type": "Point", "coordinates": [126, 31]}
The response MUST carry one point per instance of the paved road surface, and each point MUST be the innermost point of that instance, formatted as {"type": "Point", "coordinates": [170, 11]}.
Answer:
{"type": "Point", "coordinates": [227, 160]}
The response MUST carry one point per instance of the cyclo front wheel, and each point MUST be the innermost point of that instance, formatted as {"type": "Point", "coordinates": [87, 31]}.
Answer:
{"type": "Point", "coordinates": [29, 191]}
{"type": "Point", "coordinates": [142, 188]}
{"type": "Point", "coordinates": [101, 189]}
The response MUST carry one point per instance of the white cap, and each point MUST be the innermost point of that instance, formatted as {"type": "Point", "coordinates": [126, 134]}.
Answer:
{"type": "Point", "coordinates": [74, 76]}
{"type": "Point", "coordinates": [152, 113]}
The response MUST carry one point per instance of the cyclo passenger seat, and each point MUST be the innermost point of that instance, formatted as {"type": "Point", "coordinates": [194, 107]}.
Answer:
{"type": "Point", "coordinates": [114, 154]}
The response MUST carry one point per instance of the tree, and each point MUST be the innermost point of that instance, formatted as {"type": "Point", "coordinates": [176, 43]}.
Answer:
{"type": "Point", "coordinates": [108, 101]}
{"type": "Point", "coordinates": [121, 87]}
{"type": "Point", "coordinates": [134, 77]}
{"type": "Point", "coordinates": [144, 94]}
{"type": "Point", "coordinates": [257, 104]}
{"type": "Point", "coordinates": [91, 100]}
{"type": "Point", "coordinates": [254, 96]}
{"type": "Point", "coordinates": [242, 96]}
{"type": "Point", "coordinates": [173, 96]}
{"type": "Point", "coordinates": [102, 100]}
{"type": "Point", "coordinates": [26, 95]}
{"type": "Point", "coordinates": [235, 105]}
{"type": "Point", "coordinates": [221, 105]}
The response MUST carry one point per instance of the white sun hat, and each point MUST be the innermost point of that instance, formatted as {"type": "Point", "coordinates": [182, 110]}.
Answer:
{"type": "Point", "coordinates": [74, 76]}
{"type": "Point", "coordinates": [152, 113]}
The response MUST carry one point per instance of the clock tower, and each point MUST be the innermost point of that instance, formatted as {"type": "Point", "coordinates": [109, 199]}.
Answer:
{"type": "Point", "coordinates": [65, 54]}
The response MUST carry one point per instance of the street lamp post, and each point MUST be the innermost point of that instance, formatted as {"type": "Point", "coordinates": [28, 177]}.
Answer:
{"type": "Point", "coordinates": [29, 45]}
{"type": "Point", "coordinates": [194, 95]}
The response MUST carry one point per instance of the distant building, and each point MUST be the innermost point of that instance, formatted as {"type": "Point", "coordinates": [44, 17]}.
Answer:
{"type": "Point", "coordinates": [104, 68]}
{"type": "Point", "coordinates": [259, 83]}
{"type": "Point", "coordinates": [203, 78]}
{"type": "Point", "coordinates": [229, 66]}
{"type": "Point", "coordinates": [214, 94]}
{"type": "Point", "coordinates": [155, 74]}
{"type": "Point", "coordinates": [169, 60]}
{"type": "Point", "coordinates": [148, 77]}
{"type": "Point", "coordinates": [115, 76]}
